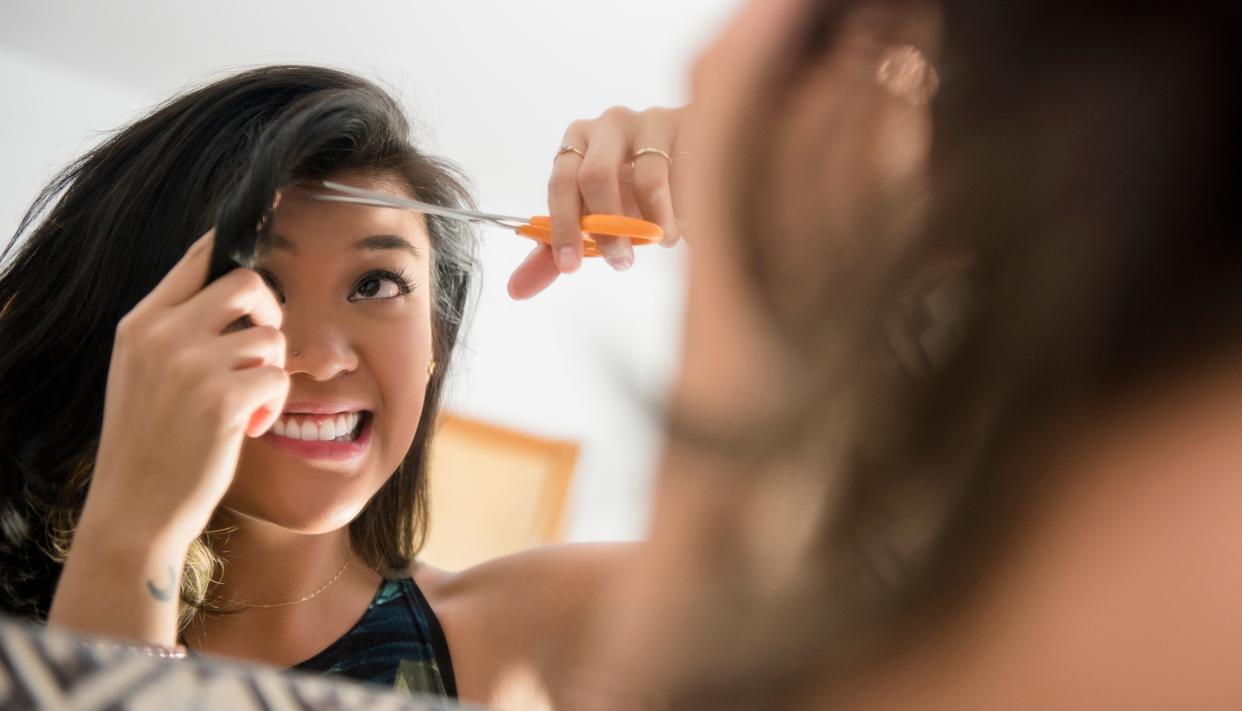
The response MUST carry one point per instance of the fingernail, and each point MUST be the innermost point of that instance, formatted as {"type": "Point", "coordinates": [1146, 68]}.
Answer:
{"type": "Point", "coordinates": [620, 262]}
{"type": "Point", "coordinates": [259, 415]}
{"type": "Point", "coordinates": [515, 295]}
{"type": "Point", "coordinates": [567, 259]}
{"type": "Point", "coordinates": [671, 232]}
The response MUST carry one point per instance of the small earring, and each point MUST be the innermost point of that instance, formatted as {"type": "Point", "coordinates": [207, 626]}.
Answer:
{"type": "Point", "coordinates": [431, 368]}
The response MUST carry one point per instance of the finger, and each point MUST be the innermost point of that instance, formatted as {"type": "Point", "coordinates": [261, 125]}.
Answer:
{"type": "Point", "coordinates": [565, 201]}
{"type": "Point", "coordinates": [617, 251]}
{"type": "Point", "coordinates": [652, 172]}
{"type": "Point", "coordinates": [653, 194]}
{"type": "Point", "coordinates": [250, 348]}
{"type": "Point", "coordinates": [629, 206]}
{"type": "Point", "coordinates": [241, 292]}
{"type": "Point", "coordinates": [534, 274]}
{"type": "Point", "coordinates": [261, 420]}
{"type": "Point", "coordinates": [679, 183]}
{"type": "Point", "coordinates": [187, 276]}
{"type": "Point", "coordinates": [599, 181]}
{"type": "Point", "coordinates": [261, 393]}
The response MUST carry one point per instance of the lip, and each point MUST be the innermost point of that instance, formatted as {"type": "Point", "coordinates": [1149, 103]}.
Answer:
{"type": "Point", "coordinates": [329, 450]}
{"type": "Point", "coordinates": [324, 407]}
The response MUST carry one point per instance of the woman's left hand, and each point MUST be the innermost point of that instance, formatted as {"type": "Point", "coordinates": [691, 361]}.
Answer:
{"type": "Point", "coordinates": [603, 174]}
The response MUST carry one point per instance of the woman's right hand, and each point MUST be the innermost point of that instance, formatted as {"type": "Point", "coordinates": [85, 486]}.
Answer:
{"type": "Point", "coordinates": [183, 391]}
{"type": "Point", "coordinates": [602, 174]}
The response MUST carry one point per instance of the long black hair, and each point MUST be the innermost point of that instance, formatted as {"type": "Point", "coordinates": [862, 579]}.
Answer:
{"type": "Point", "coordinates": [103, 233]}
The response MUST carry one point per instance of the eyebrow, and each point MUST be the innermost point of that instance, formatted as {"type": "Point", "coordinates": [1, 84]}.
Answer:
{"type": "Point", "coordinates": [373, 243]}
{"type": "Point", "coordinates": [376, 243]}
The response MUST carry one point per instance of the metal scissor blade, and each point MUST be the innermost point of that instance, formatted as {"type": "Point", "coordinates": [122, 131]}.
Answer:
{"type": "Point", "coordinates": [367, 197]}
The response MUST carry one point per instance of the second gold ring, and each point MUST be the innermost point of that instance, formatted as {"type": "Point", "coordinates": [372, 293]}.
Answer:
{"type": "Point", "coordinates": [652, 150]}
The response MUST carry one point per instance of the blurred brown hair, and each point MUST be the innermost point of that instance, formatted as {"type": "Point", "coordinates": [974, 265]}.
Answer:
{"type": "Point", "coordinates": [1071, 239]}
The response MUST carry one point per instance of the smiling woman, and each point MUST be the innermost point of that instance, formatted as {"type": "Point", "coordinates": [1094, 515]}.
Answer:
{"type": "Point", "coordinates": [123, 377]}
{"type": "Point", "coordinates": [220, 444]}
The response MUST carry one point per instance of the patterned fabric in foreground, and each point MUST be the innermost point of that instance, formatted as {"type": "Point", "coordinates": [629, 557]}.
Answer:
{"type": "Point", "coordinates": [52, 669]}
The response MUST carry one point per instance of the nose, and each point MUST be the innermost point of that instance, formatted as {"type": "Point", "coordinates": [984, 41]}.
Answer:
{"type": "Point", "coordinates": [318, 348]}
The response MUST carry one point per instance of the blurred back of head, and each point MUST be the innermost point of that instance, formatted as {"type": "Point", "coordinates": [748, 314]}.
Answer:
{"type": "Point", "coordinates": [1070, 243]}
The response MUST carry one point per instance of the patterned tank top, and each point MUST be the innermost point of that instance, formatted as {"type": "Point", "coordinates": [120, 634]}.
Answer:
{"type": "Point", "coordinates": [398, 643]}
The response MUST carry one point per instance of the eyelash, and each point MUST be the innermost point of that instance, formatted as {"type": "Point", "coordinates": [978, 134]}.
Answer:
{"type": "Point", "coordinates": [404, 285]}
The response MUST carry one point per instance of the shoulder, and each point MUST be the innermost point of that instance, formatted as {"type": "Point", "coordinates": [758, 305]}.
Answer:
{"type": "Point", "coordinates": [574, 564]}
{"type": "Point", "coordinates": [541, 582]}
{"type": "Point", "coordinates": [530, 612]}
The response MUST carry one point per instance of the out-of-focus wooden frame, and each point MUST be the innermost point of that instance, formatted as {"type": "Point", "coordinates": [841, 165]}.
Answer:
{"type": "Point", "coordinates": [554, 460]}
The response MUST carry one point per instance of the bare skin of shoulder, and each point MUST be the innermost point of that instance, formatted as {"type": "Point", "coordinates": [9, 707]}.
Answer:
{"type": "Point", "coordinates": [519, 626]}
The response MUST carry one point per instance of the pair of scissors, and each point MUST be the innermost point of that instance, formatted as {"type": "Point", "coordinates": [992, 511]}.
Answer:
{"type": "Point", "coordinates": [639, 232]}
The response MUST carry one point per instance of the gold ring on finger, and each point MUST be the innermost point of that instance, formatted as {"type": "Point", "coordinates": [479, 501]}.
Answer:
{"type": "Point", "coordinates": [650, 149]}
{"type": "Point", "coordinates": [566, 148]}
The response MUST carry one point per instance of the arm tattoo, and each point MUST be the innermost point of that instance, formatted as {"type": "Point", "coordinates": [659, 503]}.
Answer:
{"type": "Point", "coordinates": [166, 593]}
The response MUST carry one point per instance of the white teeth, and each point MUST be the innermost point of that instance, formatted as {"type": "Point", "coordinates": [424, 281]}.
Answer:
{"type": "Point", "coordinates": [327, 430]}
{"type": "Point", "coordinates": [305, 428]}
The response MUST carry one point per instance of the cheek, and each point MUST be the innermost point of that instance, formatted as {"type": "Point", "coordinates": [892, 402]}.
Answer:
{"type": "Point", "coordinates": [727, 78]}
{"type": "Point", "coordinates": [399, 361]}
{"type": "Point", "coordinates": [396, 354]}
{"type": "Point", "coordinates": [732, 361]}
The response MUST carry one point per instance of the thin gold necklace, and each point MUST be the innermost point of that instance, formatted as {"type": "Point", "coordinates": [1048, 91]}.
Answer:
{"type": "Point", "coordinates": [325, 586]}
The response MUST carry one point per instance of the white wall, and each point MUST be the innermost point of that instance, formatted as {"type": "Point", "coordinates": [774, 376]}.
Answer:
{"type": "Point", "coordinates": [492, 85]}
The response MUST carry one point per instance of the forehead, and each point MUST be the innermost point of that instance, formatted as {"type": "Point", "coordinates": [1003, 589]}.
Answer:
{"type": "Point", "coordinates": [302, 225]}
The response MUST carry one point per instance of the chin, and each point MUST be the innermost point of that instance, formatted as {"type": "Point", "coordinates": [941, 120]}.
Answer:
{"type": "Point", "coordinates": [306, 511]}
{"type": "Point", "coordinates": [309, 499]}
{"type": "Point", "coordinates": [307, 523]}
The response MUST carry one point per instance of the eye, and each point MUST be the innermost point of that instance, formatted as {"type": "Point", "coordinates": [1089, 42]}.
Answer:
{"type": "Point", "coordinates": [273, 283]}
{"type": "Point", "coordinates": [381, 284]}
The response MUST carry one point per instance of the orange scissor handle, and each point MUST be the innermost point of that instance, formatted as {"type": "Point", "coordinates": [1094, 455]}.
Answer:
{"type": "Point", "coordinates": [638, 231]}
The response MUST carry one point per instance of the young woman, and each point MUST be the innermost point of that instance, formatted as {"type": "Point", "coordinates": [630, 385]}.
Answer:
{"type": "Point", "coordinates": [171, 478]}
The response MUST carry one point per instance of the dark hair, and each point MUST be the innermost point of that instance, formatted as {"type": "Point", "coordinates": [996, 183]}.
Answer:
{"type": "Point", "coordinates": [1077, 213]}
{"type": "Point", "coordinates": [118, 219]}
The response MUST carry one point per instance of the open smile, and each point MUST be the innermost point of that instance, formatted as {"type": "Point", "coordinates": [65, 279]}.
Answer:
{"type": "Point", "coordinates": [334, 436]}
